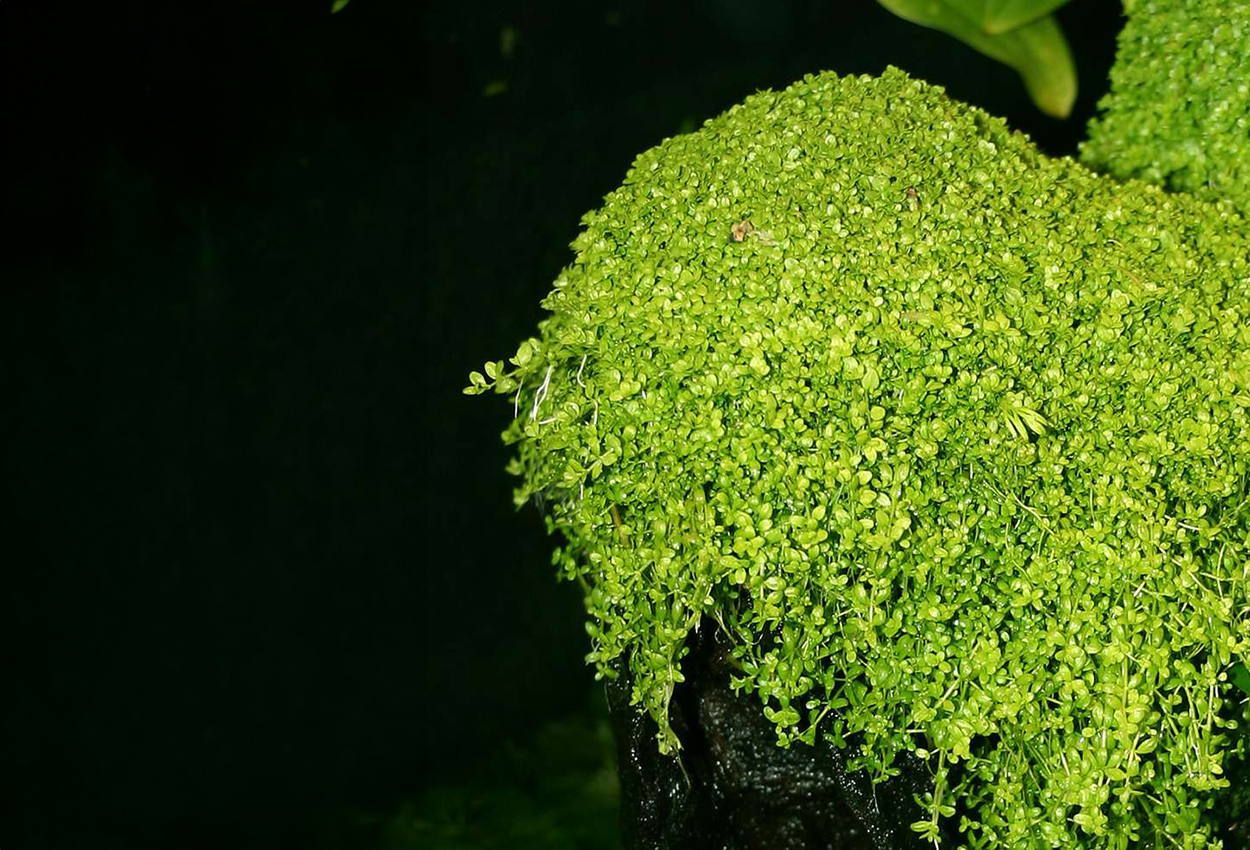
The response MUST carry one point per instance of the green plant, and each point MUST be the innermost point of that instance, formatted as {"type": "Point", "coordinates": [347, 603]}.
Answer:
{"type": "Point", "coordinates": [951, 439]}
{"type": "Point", "coordinates": [1022, 34]}
{"type": "Point", "coordinates": [1177, 115]}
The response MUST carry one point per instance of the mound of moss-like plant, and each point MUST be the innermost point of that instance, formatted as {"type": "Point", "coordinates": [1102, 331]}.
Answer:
{"type": "Point", "coordinates": [1178, 114]}
{"type": "Point", "coordinates": [950, 438]}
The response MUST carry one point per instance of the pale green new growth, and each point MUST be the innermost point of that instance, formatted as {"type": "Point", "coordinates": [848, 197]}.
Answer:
{"type": "Point", "coordinates": [951, 441]}
{"type": "Point", "coordinates": [1179, 109]}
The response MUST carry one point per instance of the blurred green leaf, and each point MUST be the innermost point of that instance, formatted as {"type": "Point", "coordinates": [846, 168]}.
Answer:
{"type": "Point", "coordinates": [998, 16]}
{"type": "Point", "coordinates": [1037, 49]}
{"type": "Point", "coordinates": [1241, 676]}
{"type": "Point", "coordinates": [338, 6]}
{"type": "Point", "coordinates": [555, 788]}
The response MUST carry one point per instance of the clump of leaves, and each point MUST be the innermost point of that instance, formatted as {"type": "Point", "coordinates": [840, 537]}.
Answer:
{"type": "Point", "coordinates": [1178, 113]}
{"type": "Point", "coordinates": [957, 457]}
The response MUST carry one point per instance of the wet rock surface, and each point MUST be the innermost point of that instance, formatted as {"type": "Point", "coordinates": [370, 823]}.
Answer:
{"type": "Point", "coordinates": [733, 788]}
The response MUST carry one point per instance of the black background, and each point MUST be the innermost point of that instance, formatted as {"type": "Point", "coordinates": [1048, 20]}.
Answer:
{"type": "Point", "coordinates": [260, 560]}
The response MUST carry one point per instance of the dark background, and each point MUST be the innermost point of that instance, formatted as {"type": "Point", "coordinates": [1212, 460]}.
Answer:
{"type": "Point", "coordinates": [261, 566]}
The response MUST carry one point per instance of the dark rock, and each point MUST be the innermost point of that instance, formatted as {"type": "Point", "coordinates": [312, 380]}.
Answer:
{"type": "Point", "coordinates": [732, 788]}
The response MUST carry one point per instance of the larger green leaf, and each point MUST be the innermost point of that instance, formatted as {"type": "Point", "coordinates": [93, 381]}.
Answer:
{"type": "Point", "coordinates": [998, 16]}
{"type": "Point", "coordinates": [1241, 676]}
{"type": "Point", "coordinates": [1037, 50]}
{"type": "Point", "coordinates": [993, 16]}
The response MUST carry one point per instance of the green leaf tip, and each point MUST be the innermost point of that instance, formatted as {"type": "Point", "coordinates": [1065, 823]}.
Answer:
{"type": "Point", "coordinates": [1018, 33]}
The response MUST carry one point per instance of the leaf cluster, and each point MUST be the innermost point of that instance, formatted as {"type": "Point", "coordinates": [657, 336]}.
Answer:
{"type": "Point", "coordinates": [1178, 113]}
{"type": "Point", "coordinates": [958, 457]}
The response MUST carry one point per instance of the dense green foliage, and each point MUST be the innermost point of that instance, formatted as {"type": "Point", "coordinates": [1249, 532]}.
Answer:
{"type": "Point", "coordinates": [1178, 113]}
{"type": "Point", "coordinates": [950, 438]}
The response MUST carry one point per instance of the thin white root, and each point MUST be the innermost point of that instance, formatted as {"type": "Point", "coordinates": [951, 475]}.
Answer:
{"type": "Point", "coordinates": [541, 394]}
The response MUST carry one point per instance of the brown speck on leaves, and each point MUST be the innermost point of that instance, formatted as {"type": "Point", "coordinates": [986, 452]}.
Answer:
{"type": "Point", "coordinates": [740, 231]}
